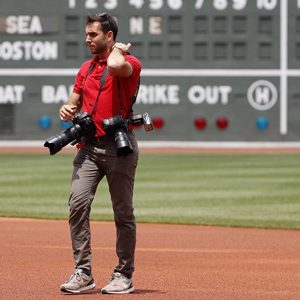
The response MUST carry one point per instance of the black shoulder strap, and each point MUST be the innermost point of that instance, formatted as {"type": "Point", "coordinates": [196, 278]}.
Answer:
{"type": "Point", "coordinates": [91, 67]}
{"type": "Point", "coordinates": [103, 77]}
{"type": "Point", "coordinates": [101, 83]}
{"type": "Point", "coordinates": [136, 92]}
{"type": "Point", "coordinates": [133, 99]}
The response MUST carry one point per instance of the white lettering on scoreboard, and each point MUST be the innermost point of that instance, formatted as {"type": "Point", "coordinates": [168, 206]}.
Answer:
{"type": "Point", "coordinates": [56, 94]}
{"type": "Point", "coordinates": [26, 50]}
{"type": "Point", "coordinates": [262, 95]}
{"type": "Point", "coordinates": [158, 94]}
{"type": "Point", "coordinates": [197, 94]}
{"type": "Point", "coordinates": [136, 25]}
{"type": "Point", "coordinates": [29, 50]}
{"type": "Point", "coordinates": [212, 95]}
{"type": "Point", "coordinates": [23, 25]}
{"type": "Point", "coordinates": [12, 94]}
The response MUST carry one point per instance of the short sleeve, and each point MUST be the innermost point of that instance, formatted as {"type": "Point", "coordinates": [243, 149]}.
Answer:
{"type": "Point", "coordinates": [135, 63]}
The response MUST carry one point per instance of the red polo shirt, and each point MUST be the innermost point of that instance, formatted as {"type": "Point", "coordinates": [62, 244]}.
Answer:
{"type": "Point", "coordinates": [109, 103]}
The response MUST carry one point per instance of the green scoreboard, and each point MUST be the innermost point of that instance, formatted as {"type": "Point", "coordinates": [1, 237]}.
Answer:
{"type": "Point", "coordinates": [213, 70]}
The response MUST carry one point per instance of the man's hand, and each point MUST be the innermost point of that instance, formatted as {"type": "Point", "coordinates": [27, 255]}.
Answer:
{"type": "Point", "coordinates": [67, 112]}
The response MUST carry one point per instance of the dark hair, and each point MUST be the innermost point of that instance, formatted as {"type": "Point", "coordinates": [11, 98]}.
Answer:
{"type": "Point", "coordinates": [108, 22]}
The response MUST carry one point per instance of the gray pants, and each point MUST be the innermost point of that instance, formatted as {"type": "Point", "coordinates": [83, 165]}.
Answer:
{"type": "Point", "coordinates": [91, 164]}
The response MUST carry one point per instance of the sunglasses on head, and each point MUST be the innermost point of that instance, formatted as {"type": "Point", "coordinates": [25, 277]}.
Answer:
{"type": "Point", "coordinates": [102, 18]}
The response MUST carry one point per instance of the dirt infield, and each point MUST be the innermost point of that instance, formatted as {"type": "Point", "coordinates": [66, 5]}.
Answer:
{"type": "Point", "coordinates": [172, 261]}
{"type": "Point", "coordinates": [165, 150]}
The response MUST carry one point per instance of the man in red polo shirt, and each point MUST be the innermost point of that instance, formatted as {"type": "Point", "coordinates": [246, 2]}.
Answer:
{"type": "Point", "coordinates": [104, 88]}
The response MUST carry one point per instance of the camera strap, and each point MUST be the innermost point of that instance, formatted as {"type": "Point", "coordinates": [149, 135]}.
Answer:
{"type": "Point", "coordinates": [133, 99]}
{"type": "Point", "coordinates": [101, 83]}
{"type": "Point", "coordinates": [91, 67]}
{"type": "Point", "coordinates": [136, 92]}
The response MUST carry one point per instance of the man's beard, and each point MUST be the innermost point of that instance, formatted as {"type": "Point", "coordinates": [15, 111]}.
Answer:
{"type": "Point", "coordinates": [97, 49]}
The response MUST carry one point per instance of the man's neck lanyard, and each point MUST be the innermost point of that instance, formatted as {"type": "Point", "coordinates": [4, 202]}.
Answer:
{"type": "Point", "coordinates": [101, 83]}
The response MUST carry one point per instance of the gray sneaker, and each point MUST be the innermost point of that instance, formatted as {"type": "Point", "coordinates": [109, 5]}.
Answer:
{"type": "Point", "coordinates": [119, 284]}
{"type": "Point", "coordinates": [77, 283]}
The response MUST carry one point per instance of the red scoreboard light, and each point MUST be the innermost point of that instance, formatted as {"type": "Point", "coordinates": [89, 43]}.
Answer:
{"type": "Point", "coordinates": [222, 123]}
{"type": "Point", "coordinates": [200, 123]}
{"type": "Point", "coordinates": [158, 122]}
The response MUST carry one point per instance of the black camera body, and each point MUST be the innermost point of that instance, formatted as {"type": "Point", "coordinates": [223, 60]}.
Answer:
{"type": "Point", "coordinates": [119, 127]}
{"type": "Point", "coordinates": [83, 127]}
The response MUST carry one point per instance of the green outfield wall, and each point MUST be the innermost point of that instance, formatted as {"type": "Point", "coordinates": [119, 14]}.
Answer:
{"type": "Point", "coordinates": [213, 70]}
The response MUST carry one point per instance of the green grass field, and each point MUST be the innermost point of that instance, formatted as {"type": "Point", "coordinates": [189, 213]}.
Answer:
{"type": "Point", "coordinates": [227, 190]}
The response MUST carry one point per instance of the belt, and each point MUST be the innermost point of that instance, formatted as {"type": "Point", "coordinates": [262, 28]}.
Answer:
{"type": "Point", "coordinates": [98, 141]}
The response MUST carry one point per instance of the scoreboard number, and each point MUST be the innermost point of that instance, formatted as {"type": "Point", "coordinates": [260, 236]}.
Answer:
{"type": "Point", "coordinates": [239, 4]}
{"type": "Point", "coordinates": [93, 4]}
{"type": "Point", "coordinates": [137, 3]}
{"type": "Point", "coordinates": [110, 4]}
{"type": "Point", "coordinates": [177, 4]}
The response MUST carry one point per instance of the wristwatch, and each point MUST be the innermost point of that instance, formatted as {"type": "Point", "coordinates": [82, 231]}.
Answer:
{"type": "Point", "coordinates": [115, 46]}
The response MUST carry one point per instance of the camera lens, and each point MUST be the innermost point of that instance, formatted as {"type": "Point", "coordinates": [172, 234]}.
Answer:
{"type": "Point", "coordinates": [122, 142]}
{"type": "Point", "coordinates": [57, 142]}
